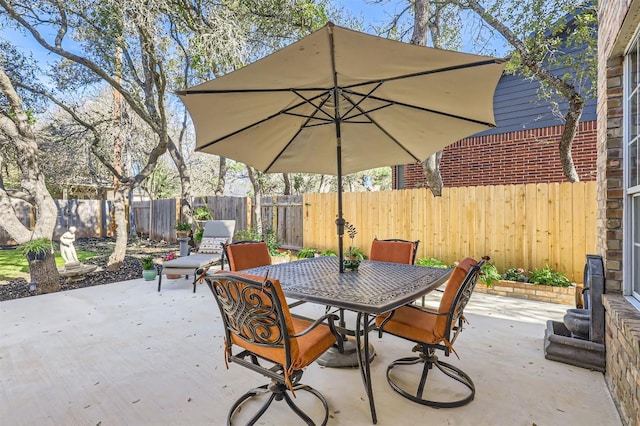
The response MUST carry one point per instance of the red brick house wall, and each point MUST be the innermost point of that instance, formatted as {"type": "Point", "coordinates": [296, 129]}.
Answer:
{"type": "Point", "coordinates": [525, 156]}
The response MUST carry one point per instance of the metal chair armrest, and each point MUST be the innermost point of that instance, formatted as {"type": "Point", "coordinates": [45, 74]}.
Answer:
{"type": "Point", "coordinates": [330, 318]}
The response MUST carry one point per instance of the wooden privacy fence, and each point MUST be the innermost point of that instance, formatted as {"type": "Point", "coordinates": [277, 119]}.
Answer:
{"type": "Point", "coordinates": [283, 214]}
{"type": "Point", "coordinates": [519, 226]}
{"type": "Point", "coordinates": [90, 217]}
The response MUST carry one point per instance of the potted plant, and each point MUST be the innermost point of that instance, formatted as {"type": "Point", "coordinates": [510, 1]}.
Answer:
{"type": "Point", "coordinates": [170, 256]}
{"type": "Point", "coordinates": [183, 229]}
{"type": "Point", "coordinates": [353, 255]}
{"type": "Point", "coordinates": [36, 249]}
{"type": "Point", "coordinates": [149, 271]}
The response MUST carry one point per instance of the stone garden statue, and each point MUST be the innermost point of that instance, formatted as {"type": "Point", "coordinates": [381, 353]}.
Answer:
{"type": "Point", "coordinates": [73, 269]}
{"type": "Point", "coordinates": [67, 250]}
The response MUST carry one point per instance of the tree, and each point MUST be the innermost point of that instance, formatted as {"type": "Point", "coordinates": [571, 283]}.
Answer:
{"type": "Point", "coordinates": [18, 140]}
{"type": "Point", "coordinates": [542, 32]}
{"type": "Point", "coordinates": [547, 36]}
{"type": "Point", "coordinates": [436, 20]}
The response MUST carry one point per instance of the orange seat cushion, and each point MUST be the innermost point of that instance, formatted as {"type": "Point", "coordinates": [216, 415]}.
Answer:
{"type": "Point", "coordinates": [306, 349]}
{"type": "Point", "coordinates": [424, 326]}
{"type": "Point", "coordinates": [392, 251]}
{"type": "Point", "coordinates": [303, 350]}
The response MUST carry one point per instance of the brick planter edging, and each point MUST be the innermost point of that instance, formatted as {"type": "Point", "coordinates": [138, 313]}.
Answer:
{"type": "Point", "coordinates": [529, 291]}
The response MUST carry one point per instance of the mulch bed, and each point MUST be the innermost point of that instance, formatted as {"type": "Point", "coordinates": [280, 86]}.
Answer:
{"type": "Point", "coordinates": [129, 270]}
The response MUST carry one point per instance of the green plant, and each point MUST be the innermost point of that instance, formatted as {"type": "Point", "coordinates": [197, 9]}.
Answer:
{"type": "Point", "coordinates": [197, 236]}
{"type": "Point", "coordinates": [306, 253]}
{"type": "Point", "coordinates": [355, 252]}
{"type": "Point", "coordinates": [183, 226]}
{"type": "Point", "coordinates": [273, 244]}
{"type": "Point", "coordinates": [547, 276]}
{"type": "Point", "coordinates": [431, 262]}
{"type": "Point", "coordinates": [513, 274]}
{"type": "Point", "coordinates": [147, 263]}
{"type": "Point", "coordinates": [489, 274]}
{"type": "Point", "coordinates": [37, 247]}
{"type": "Point", "coordinates": [329, 252]}
{"type": "Point", "coordinates": [202, 213]}
{"type": "Point", "coordinates": [249, 234]}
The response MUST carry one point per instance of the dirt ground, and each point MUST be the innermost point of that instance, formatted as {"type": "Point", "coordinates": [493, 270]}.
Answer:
{"type": "Point", "coordinates": [130, 269]}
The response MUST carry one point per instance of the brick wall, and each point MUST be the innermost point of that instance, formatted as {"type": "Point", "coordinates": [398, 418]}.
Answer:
{"type": "Point", "coordinates": [526, 156]}
{"type": "Point", "coordinates": [622, 320]}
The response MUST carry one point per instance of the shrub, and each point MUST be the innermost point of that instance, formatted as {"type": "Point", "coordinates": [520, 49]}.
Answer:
{"type": "Point", "coordinates": [202, 213]}
{"type": "Point", "coordinates": [431, 262]}
{"type": "Point", "coordinates": [513, 274]}
{"type": "Point", "coordinates": [306, 253]}
{"type": "Point", "coordinates": [39, 246]}
{"type": "Point", "coordinates": [329, 252]}
{"type": "Point", "coordinates": [489, 274]}
{"type": "Point", "coordinates": [547, 276]}
{"type": "Point", "coordinates": [248, 234]}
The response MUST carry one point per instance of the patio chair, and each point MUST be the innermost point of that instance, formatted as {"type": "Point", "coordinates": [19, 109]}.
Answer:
{"type": "Point", "coordinates": [246, 254]}
{"type": "Point", "coordinates": [257, 321]}
{"type": "Point", "coordinates": [394, 250]}
{"type": "Point", "coordinates": [215, 234]}
{"type": "Point", "coordinates": [431, 330]}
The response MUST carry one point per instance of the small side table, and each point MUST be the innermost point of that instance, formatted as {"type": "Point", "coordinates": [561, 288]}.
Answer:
{"type": "Point", "coordinates": [184, 246]}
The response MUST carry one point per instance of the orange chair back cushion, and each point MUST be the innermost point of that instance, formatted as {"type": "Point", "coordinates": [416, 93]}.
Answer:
{"type": "Point", "coordinates": [455, 281]}
{"type": "Point", "coordinates": [248, 255]}
{"type": "Point", "coordinates": [303, 350]}
{"type": "Point", "coordinates": [392, 251]}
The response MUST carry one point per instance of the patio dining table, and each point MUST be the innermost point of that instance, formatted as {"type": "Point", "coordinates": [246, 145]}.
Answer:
{"type": "Point", "coordinates": [375, 288]}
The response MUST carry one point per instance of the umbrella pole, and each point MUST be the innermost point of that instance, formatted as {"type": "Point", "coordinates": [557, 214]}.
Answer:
{"type": "Point", "coordinates": [340, 220]}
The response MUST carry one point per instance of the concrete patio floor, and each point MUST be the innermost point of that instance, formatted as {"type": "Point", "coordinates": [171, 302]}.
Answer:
{"type": "Point", "coordinates": [123, 354]}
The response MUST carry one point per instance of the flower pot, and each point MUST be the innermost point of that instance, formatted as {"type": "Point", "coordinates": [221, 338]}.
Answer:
{"type": "Point", "coordinates": [31, 256]}
{"type": "Point", "coordinates": [149, 274]}
{"type": "Point", "coordinates": [351, 263]}
{"type": "Point", "coordinates": [182, 234]}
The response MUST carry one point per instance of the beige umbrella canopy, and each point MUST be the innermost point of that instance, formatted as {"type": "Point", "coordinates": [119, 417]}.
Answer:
{"type": "Point", "coordinates": [339, 101]}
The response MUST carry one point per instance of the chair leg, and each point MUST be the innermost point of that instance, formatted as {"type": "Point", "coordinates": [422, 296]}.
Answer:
{"type": "Point", "coordinates": [431, 360]}
{"type": "Point", "coordinates": [279, 392]}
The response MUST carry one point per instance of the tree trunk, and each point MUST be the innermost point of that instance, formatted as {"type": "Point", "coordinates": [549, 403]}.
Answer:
{"type": "Point", "coordinates": [120, 249]}
{"type": "Point", "coordinates": [185, 179]}
{"type": "Point", "coordinates": [572, 119]}
{"type": "Point", "coordinates": [19, 131]}
{"type": "Point", "coordinates": [222, 174]}
{"type": "Point", "coordinates": [287, 184]}
{"type": "Point", "coordinates": [432, 176]}
{"type": "Point", "coordinates": [257, 191]}
{"type": "Point", "coordinates": [430, 166]}
{"type": "Point", "coordinates": [45, 273]}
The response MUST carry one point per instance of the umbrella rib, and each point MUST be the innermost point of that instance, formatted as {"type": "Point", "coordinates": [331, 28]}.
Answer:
{"type": "Point", "coordinates": [459, 117]}
{"type": "Point", "coordinates": [427, 72]}
{"type": "Point", "coordinates": [382, 129]}
{"type": "Point", "coordinates": [216, 91]}
{"type": "Point", "coordinates": [312, 89]}
{"type": "Point", "coordinates": [285, 111]}
{"type": "Point", "coordinates": [309, 118]}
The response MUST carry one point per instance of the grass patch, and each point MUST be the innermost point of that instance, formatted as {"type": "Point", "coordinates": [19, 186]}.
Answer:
{"type": "Point", "coordinates": [14, 265]}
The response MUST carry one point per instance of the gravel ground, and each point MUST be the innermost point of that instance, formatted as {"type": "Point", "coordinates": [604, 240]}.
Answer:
{"type": "Point", "coordinates": [130, 269]}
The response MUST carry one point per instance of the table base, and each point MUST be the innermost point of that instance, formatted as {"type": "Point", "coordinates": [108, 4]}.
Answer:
{"type": "Point", "coordinates": [349, 359]}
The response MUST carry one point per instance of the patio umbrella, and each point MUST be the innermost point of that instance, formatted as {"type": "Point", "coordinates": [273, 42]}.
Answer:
{"type": "Point", "coordinates": [339, 101]}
